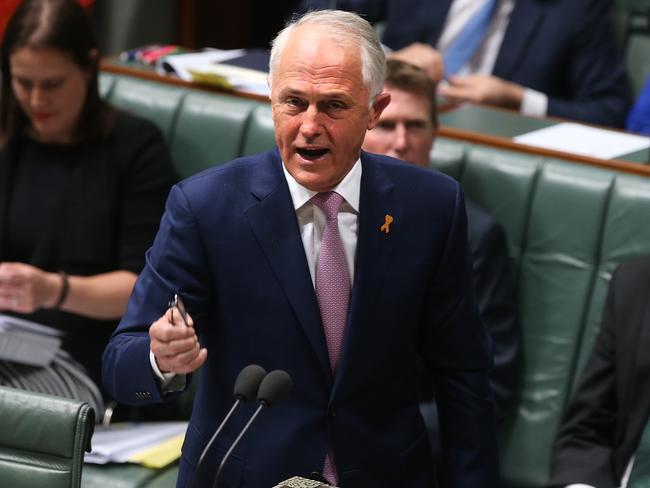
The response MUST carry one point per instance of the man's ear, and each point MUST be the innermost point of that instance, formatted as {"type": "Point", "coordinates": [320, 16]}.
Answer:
{"type": "Point", "coordinates": [381, 102]}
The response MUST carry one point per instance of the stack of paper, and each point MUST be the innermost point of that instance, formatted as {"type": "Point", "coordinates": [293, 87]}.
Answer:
{"type": "Point", "coordinates": [585, 140]}
{"type": "Point", "coordinates": [152, 444]}
{"type": "Point", "coordinates": [27, 342]}
{"type": "Point", "coordinates": [235, 69]}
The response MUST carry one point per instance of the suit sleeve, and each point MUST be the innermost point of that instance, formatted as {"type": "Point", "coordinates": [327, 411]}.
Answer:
{"type": "Point", "coordinates": [459, 355]}
{"type": "Point", "coordinates": [175, 263]}
{"type": "Point", "coordinates": [496, 302]}
{"type": "Point", "coordinates": [595, 72]}
{"type": "Point", "coordinates": [583, 447]}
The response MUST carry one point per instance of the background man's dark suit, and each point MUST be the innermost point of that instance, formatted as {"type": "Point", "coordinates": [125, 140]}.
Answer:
{"type": "Point", "coordinates": [563, 48]}
{"type": "Point", "coordinates": [495, 295]}
{"type": "Point", "coordinates": [604, 422]}
{"type": "Point", "coordinates": [230, 244]}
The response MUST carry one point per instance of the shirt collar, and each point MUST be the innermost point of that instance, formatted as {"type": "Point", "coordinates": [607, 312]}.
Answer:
{"type": "Point", "coordinates": [349, 188]}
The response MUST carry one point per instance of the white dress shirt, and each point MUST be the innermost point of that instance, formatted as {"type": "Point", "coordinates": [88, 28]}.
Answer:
{"type": "Point", "coordinates": [460, 12]}
{"type": "Point", "coordinates": [311, 219]}
{"type": "Point", "coordinates": [311, 222]}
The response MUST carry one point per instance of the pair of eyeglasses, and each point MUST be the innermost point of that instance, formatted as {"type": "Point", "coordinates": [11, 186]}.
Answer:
{"type": "Point", "coordinates": [177, 303]}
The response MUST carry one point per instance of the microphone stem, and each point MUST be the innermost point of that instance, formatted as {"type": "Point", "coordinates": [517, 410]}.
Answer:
{"type": "Point", "coordinates": [214, 436]}
{"type": "Point", "coordinates": [241, 434]}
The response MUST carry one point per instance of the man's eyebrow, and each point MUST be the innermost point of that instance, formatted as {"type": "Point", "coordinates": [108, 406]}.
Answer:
{"type": "Point", "coordinates": [291, 91]}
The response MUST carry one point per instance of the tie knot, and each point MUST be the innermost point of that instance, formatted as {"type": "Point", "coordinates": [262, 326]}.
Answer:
{"type": "Point", "coordinates": [329, 202]}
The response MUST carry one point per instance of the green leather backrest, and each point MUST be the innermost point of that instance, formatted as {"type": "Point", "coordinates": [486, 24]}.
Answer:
{"type": "Point", "coordinates": [448, 156]}
{"type": "Point", "coordinates": [209, 130]}
{"type": "Point", "coordinates": [625, 234]}
{"type": "Point", "coordinates": [568, 226]}
{"type": "Point", "coordinates": [42, 439]}
{"type": "Point", "coordinates": [155, 101]}
{"type": "Point", "coordinates": [558, 265]}
{"type": "Point", "coordinates": [502, 183]}
{"type": "Point", "coordinates": [260, 134]}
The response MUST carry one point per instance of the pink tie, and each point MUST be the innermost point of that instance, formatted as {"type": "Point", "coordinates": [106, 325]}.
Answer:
{"type": "Point", "coordinates": [332, 277]}
{"type": "Point", "coordinates": [332, 290]}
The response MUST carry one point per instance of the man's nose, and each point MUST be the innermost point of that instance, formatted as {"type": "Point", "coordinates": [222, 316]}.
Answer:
{"type": "Point", "coordinates": [310, 126]}
{"type": "Point", "coordinates": [400, 138]}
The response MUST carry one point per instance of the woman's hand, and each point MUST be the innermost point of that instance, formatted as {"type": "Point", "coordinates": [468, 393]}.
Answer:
{"type": "Point", "coordinates": [25, 288]}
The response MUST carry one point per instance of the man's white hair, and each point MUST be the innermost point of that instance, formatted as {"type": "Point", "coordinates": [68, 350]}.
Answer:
{"type": "Point", "coordinates": [341, 26]}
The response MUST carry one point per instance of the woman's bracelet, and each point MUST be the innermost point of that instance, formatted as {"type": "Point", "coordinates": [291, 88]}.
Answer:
{"type": "Point", "coordinates": [65, 288]}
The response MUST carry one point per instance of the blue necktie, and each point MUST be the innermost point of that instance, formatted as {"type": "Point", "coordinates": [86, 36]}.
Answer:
{"type": "Point", "coordinates": [462, 48]}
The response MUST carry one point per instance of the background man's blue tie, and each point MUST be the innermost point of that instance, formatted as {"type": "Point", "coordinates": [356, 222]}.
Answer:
{"type": "Point", "coordinates": [462, 48]}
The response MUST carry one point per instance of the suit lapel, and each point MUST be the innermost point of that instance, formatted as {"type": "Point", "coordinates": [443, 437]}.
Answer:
{"type": "Point", "coordinates": [273, 221]}
{"type": "Point", "coordinates": [523, 23]}
{"type": "Point", "coordinates": [374, 250]}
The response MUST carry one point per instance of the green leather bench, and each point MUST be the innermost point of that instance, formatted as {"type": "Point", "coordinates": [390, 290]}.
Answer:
{"type": "Point", "coordinates": [42, 439]}
{"type": "Point", "coordinates": [568, 225]}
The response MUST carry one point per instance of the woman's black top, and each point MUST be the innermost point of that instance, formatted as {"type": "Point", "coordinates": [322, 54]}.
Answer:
{"type": "Point", "coordinates": [84, 209]}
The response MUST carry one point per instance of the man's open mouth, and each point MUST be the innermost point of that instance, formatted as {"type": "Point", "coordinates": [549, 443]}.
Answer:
{"type": "Point", "coordinates": [310, 154]}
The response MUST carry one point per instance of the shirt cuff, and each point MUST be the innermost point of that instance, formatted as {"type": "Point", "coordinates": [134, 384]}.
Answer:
{"type": "Point", "coordinates": [169, 382]}
{"type": "Point", "coordinates": [534, 103]}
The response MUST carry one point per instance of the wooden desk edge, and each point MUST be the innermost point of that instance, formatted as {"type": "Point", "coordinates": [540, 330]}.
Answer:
{"type": "Point", "coordinates": [475, 137]}
{"type": "Point", "coordinates": [109, 67]}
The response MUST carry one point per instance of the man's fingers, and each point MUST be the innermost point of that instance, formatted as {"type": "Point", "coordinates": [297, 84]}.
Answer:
{"type": "Point", "coordinates": [174, 348]}
{"type": "Point", "coordinates": [164, 331]}
{"type": "Point", "coordinates": [184, 363]}
{"type": "Point", "coordinates": [197, 362]}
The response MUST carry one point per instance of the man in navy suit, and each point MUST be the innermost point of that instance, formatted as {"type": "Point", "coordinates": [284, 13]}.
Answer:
{"type": "Point", "coordinates": [407, 130]}
{"type": "Point", "coordinates": [239, 243]}
{"type": "Point", "coordinates": [542, 57]}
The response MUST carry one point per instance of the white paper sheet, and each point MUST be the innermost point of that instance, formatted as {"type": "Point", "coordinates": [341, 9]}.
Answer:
{"type": "Point", "coordinates": [584, 140]}
{"type": "Point", "coordinates": [118, 443]}
{"type": "Point", "coordinates": [26, 342]}
{"type": "Point", "coordinates": [181, 64]}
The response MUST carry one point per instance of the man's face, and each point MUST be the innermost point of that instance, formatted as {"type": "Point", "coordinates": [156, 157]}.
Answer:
{"type": "Point", "coordinates": [320, 107]}
{"type": "Point", "coordinates": [404, 130]}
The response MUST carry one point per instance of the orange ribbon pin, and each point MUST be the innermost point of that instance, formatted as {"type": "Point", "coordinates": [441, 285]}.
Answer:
{"type": "Point", "coordinates": [387, 221]}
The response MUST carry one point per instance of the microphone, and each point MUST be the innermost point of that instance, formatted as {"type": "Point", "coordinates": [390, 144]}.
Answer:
{"type": "Point", "coordinates": [246, 387]}
{"type": "Point", "coordinates": [275, 387]}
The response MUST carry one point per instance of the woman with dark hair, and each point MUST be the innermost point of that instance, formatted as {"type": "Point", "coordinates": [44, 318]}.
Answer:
{"type": "Point", "coordinates": [82, 186]}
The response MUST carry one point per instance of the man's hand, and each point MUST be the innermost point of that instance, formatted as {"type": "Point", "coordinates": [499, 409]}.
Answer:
{"type": "Point", "coordinates": [485, 89]}
{"type": "Point", "coordinates": [175, 345]}
{"type": "Point", "coordinates": [424, 57]}
{"type": "Point", "coordinates": [25, 288]}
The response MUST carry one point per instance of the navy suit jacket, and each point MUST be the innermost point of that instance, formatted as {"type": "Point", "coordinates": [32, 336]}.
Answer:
{"type": "Point", "coordinates": [563, 48]}
{"type": "Point", "coordinates": [229, 243]}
